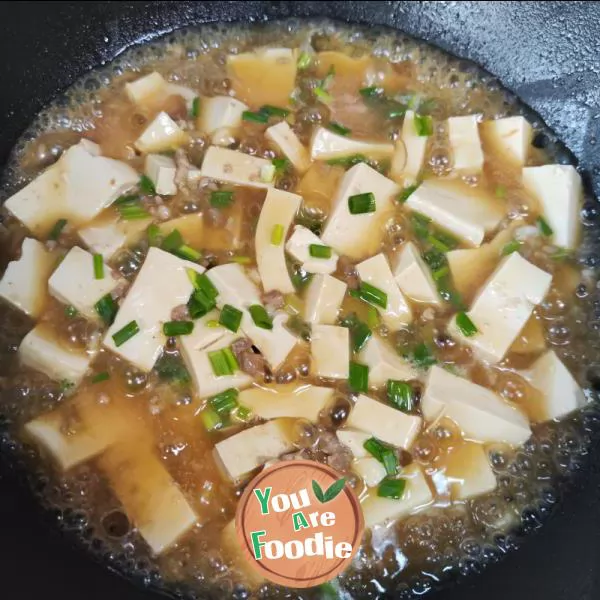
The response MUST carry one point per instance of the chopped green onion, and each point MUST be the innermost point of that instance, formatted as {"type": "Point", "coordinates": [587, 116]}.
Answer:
{"type": "Point", "coordinates": [65, 385]}
{"type": "Point", "coordinates": [98, 266]}
{"type": "Point", "coordinates": [391, 488]}
{"type": "Point", "coordinates": [543, 226]}
{"type": "Point", "coordinates": [173, 328]}
{"type": "Point", "coordinates": [132, 212]}
{"type": "Point", "coordinates": [260, 316]}
{"type": "Point", "coordinates": [170, 367]}
{"type": "Point", "coordinates": [304, 60]}
{"type": "Point", "coordinates": [371, 295]}
{"type": "Point", "coordinates": [255, 117]}
{"type": "Point", "coordinates": [103, 376]}
{"type": "Point", "coordinates": [347, 161]}
{"type": "Point", "coordinates": [561, 254]}
{"type": "Point", "coordinates": [126, 333]}
{"type": "Point", "coordinates": [390, 461]}
{"type": "Point", "coordinates": [372, 317]}
{"type": "Point", "coordinates": [405, 194]}
{"type": "Point", "coordinates": [221, 198]}
{"type": "Point", "coordinates": [154, 236]}
{"type": "Point", "coordinates": [328, 78]}
{"type": "Point", "coordinates": [242, 413]}
{"type": "Point", "coordinates": [448, 293]}
{"type": "Point", "coordinates": [322, 95]}
{"type": "Point", "coordinates": [375, 448]}
{"type": "Point", "coordinates": [441, 241]}
{"type": "Point", "coordinates": [359, 377]}
{"type": "Point", "coordinates": [281, 165]}
{"type": "Point", "coordinates": [338, 128]}
{"type": "Point", "coordinates": [204, 284]}
{"type": "Point", "coordinates": [277, 234]}
{"type": "Point", "coordinates": [423, 125]}
{"type": "Point", "coordinates": [57, 229]}
{"type": "Point", "coordinates": [511, 247]}
{"type": "Point", "coordinates": [359, 204]}
{"type": "Point", "coordinates": [383, 453]}
{"type": "Point", "coordinates": [213, 324]}
{"type": "Point", "coordinates": [500, 191]}
{"type": "Point", "coordinates": [440, 273]}
{"type": "Point", "coordinates": [188, 253]}
{"type": "Point", "coordinates": [299, 276]}
{"type": "Point", "coordinates": [319, 251]}
{"type": "Point", "coordinates": [195, 107]}
{"type": "Point", "coordinates": [371, 92]}
{"type": "Point", "coordinates": [466, 326]}
{"type": "Point", "coordinates": [211, 420]}
{"type": "Point", "coordinates": [400, 394]}
{"type": "Point", "coordinates": [231, 359]}
{"type": "Point", "coordinates": [394, 109]}
{"type": "Point", "coordinates": [241, 260]}
{"type": "Point", "coordinates": [420, 224]}
{"type": "Point", "coordinates": [126, 199]}
{"type": "Point", "coordinates": [301, 328]}
{"type": "Point", "coordinates": [435, 259]}
{"type": "Point", "coordinates": [359, 331]}
{"type": "Point", "coordinates": [219, 363]}
{"type": "Point", "coordinates": [173, 241]}
{"type": "Point", "coordinates": [71, 311]}
{"type": "Point", "coordinates": [273, 111]}
{"type": "Point", "coordinates": [422, 357]}
{"type": "Point", "coordinates": [203, 297]}
{"type": "Point", "coordinates": [147, 185]}
{"type": "Point", "coordinates": [224, 402]}
{"type": "Point", "coordinates": [106, 308]}
{"type": "Point", "coordinates": [230, 318]}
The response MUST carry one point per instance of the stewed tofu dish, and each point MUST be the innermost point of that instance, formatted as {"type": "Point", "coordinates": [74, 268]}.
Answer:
{"type": "Point", "coordinates": [236, 247]}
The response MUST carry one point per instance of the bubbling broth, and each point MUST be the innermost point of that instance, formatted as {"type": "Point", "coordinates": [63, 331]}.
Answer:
{"type": "Point", "coordinates": [265, 207]}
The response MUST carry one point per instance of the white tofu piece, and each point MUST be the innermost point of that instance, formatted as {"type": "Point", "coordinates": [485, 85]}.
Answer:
{"type": "Point", "coordinates": [370, 469]}
{"type": "Point", "coordinates": [203, 335]}
{"type": "Point", "coordinates": [559, 393]}
{"type": "Point", "coordinates": [287, 141]}
{"type": "Point", "coordinates": [234, 286]}
{"type": "Point", "coordinates": [503, 306]}
{"type": "Point", "coordinates": [289, 400]}
{"type": "Point", "coordinates": [383, 511]}
{"type": "Point", "coordinates": [323, 298]}
{"type": "Point", "coordinates": [220, 112]}
{"type": "Point", "coordinates": [376, 271]}
{"type": "Point", "coordinates": [162, 134]}
{"type": "Point", "coordinates": [463, 134]}
{"type": "Point", "coordinates": [414, 277]}
{"type": "Point", "coordinates": [509, 137]}
{"type": "Point", "coordinates": [146, 89]}
{"type": "Point", "coordinates": [200, 368]}
{"type": "Point", "coordinates": [468, 472]}
{"type": "Point", "coordinates": [161, 171]}
{"type": "Point", "coordinates": [150, 496]}
{"type": "Point", "coordinates": [354, 440]}
{"type": "Point", "coordinates": [164, 272]}
{"type": "Point", "coordinates": [80, 185]}
{"type": "Point", "coordinates": [326, 145]}
{"type": "Point", "coordinates": [466, 212]}
{"type": "Point", "coordinates": [25, 281]}
{"type": "Point", "coordinates": [384, 363]}
{"type": "Point", "coordinates": [243, 452]}
{"type": "Point", "coordinates": [481, 414]}
{"type": "Point", "coordinates": [40, 350]}
{"type": "Point", "coordinates": [384, 422]}
{"type": "Point", "coordinates": [409, 154]}
{"type": "Point", "coordinates": [278, 211]}
{"type": "Point", "coordinates": [74, 282]}
{"type": "Point", "coordinates": [330, 351]}
{"type": "Point", "coordinates": [236, 167]}
{"type": "Point", "coordinates": [298, 246]}
{"type": "Point", "coordinates": [358, 236]}
{"type": "Point", "coordinates": [559, 191]}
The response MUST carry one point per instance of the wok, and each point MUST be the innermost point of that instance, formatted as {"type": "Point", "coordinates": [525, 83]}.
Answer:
{"type": "Point", "coordinates": [545, 52]}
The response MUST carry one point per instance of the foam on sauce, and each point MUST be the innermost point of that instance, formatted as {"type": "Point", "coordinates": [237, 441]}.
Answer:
{"type": "Point", "coordinates": [409, 557]}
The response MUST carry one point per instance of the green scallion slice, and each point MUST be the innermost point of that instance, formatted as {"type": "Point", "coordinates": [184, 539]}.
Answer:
{"type": "Point", "coordinates": [375, 448]}
{"type": "Point", "coordinates": [442, 242]}
{"type": "Point", "coordinates": [277, 234]}
{"type": "Point", "coordinates": [390, 461]}
{"type": "Point", "coordinates": [466, 326]}
{"type": "Point", "coordinates": [221, 198]}
{"type": "Point", "coordinates": [102, 376]}
{"type": "Point", "coordinates": [304, 61]}
{"type": "Point", "coordinates": [359, 331]}
{"type": "Point", "coordinates": [188, 253]}
{"type": "Point", "coordinates": [255, 117]}
{"type": "Point", "coordinates": [173, 241]}
{"type": "Point", "coordinates": [420, 224]}
{"type": "Point", "coordinates": [213, 324]}
{"type": "Point", "coordinates": [423, 125]}
{"type": "Point", "coordinates": [231, 359]}
{"type": "Point", "coordinates": [210, 419]}
{"type": "Point", "coordinates": [260, 316]}
{"type": "Point", "coordinates": [224, 402]}
{"type": "Point", "coordinates": [544, 227]}
{"type": "Point", "coordinates": [203, 297]}
{"type": "Point", "coordinates": [133, 212]}
{"type": "Point", "coordinates": [347, 161]}
{"type": "Point", "coordinates": [154, 235]}
{"type": "Point", "coordinates": [147, 186]}
{"type": "Point", "coordinates": [371, 92]}
{"type": "Point", "coordinates": [273, 111]}
{"type": "Point", "coordinates": [219, 363]}
{"type": "Point", "coordinates": [230, 318]}
{"type": "Point", "coordinates": [391, 488]}
{"type": "Point", "coordinates": [372, 317]}
{"type": "Point", "coordinates": [98, 266]}
{"type": "Point", "coordinates": [174, 328]}
{"type": "Point", "coordinates": [400, 394]}
{"type": "Point", "coordinates": [422, 356]}
{"type": "Point", "coordinates": [241, 260]}
{"type": "Point", "coordinates": [405, 194]}
{"type": "Point", "coordinates": [195, 107]}
{"type": "Point", "coordinates": [242, 413]}
{"type": "Point", "coordinates": [511, 247]}
{"type": "Point", "coordinates": [106, 308]}
{"type": "Point", "coordinates": [319, 251]}
{"type": "Point", "coordinates": [71, 311]}
{"type": "Point", "coordinates": [126, 333]}
{"type": "Point", "coordinates": [371, 295]}
{"type": "Point", "coordinates": [359, 204]}
{"type": "Point", "coordinates": [281, 165]}
{"type": "Point", "coordinates": [338, 128]}
{"type": "Point", "coordinates": [440, 273]}
{"type": "Point", "coordinates": [323, 95]}
{"type": "Point", "coordinates": [57, 229]}
{"type": "Point", "coordinates": [359, 377]}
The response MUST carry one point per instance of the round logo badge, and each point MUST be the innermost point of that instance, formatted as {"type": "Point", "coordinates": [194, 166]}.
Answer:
{"type": "Point", "coordinates": [299, 523]}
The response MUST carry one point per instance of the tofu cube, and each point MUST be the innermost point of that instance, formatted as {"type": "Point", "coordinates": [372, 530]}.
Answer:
{"type": "Point", "coordinates": [481, 414]}
{"type": "Point", "coordinates": [503, 306]}
{"type": "Point", "coordinates": [151, 309]}
{"type": "Point", "coordinates": [330, 351]}
{"type": "Point", "coordinates": [42, 351]}
{"type": "Point", "coordinates": [289, 400]}
{"type": "Point", "coordinates": [298, 246]}
{"type": "Point", "coordinates": [326, 145]}
{"type": "Point", "coordinates": [146, 89]}
{"type": "Point", "coordinates": [220, 112]}
{"type": "Point", "coordinates": [558, 392]}
{"type": "Point", "coordinates": [384, 422]}
{"type": "Point", "coordinates": [25, 281]}
{"type": "Point", "coordinates": [323, 298]}
{"type": "Point", "coordinates": [559, 192]}
{"type": "Point", "coordinates": [234, 286]}
{"type": "Point", "coordinates": [468, 472]}
{"type": "Point", "coordinates": [243, 452]}
{"type": "Point", "coordinates": [370, 470]}
{"type": "Point", "coordinates": [161, 171]}
{"type": "Point", "coordinates": [354, 440]}
{"type": "Point", "coordinates": [376, 271]}
{"type": "Point", "coordinates": [161, 135]}
{"type": "Point", "coordinates": [463, 134]}
{"type": "Point", "coordinates": [74, 283]}
{"type": "Point", "coordinates": [283, 137]}
{"type": "Point", "coordinates": [409, 154]}
{"type": "Point", "coordinates": [417, 495]}
{"type": "Point", "coordinates": [236, 167]}
{"type": "Point", "coordinates": [414, 277]}
{"type": "Point", "coordinates": [359, 236]}
{"type": "Point", "coordinates": [468, 213]}
{"type": "Point", "coordinates": [509, 137]}
{"type": "Point", "coordinates": [277, 213]}
{"type": "Point", "coordinates": [384, 363]}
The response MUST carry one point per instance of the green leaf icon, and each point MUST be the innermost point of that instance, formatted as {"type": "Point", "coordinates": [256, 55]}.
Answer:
{"type": "Point", "coordinates": [331, 492]}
